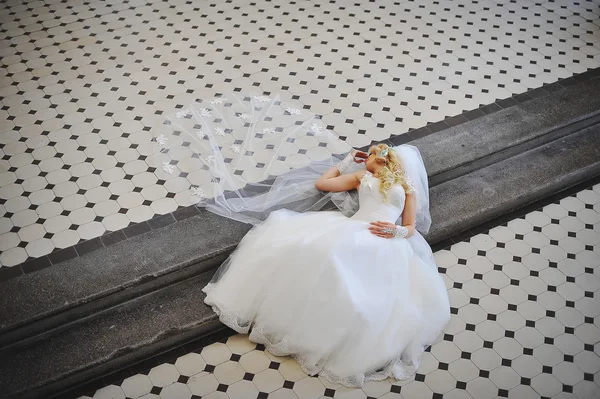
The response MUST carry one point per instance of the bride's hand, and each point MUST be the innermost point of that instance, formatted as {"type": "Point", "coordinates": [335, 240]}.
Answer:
{"type": "Point", "coordinates": [378, 229]}
{"type": "Point", "coordinates": [359, 156]}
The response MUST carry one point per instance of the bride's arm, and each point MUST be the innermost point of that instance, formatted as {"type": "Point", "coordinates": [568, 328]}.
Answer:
{"type": "Point", "coordinates": [409, 215]}
{"type": "Point", "coordinates": [333, 181]}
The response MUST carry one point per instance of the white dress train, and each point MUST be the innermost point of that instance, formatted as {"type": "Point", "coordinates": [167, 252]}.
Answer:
{"type": "Point", "coordinates": [346, 304]}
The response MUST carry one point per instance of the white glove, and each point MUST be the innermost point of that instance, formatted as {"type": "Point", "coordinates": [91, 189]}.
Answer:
{"type": "Point", "coordinates": [399, 231]}
{"type": "Point", "coordinates": [345, 163]}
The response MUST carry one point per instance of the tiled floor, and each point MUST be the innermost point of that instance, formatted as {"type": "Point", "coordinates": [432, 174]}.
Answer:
{"type": "Point", "coordinates": [85, 84]}
{"type": "Point", "coordinates": [525, 324]}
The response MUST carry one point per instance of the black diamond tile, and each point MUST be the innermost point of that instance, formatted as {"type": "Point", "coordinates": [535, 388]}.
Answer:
{"type": "Point", "coordinates": [222, 388]}
{"type": "Point", "coordinates": [209, 368]}
{"type": "Point", "coordinates": [183, 379]}
{"type": "Point", "coordinates": [288, 384]}
{"type": "Point", "coordinates": [274, 365]}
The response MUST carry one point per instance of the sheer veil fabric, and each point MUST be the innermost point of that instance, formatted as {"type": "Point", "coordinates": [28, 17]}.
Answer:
{"type": "Point", "coordinates": [243, 157]}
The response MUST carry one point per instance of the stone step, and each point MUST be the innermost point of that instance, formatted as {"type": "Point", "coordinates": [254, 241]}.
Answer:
{"type": "Point", "coordinates": [488, 193]}
{"type": "Point", "coordinates": [107, 341]}
{"type": "Point", "coordinates": [492, 138]}
{"type": "Point", "coordinates": [128, 332]}
{"type": "Point", "coordinates": [49, 298]}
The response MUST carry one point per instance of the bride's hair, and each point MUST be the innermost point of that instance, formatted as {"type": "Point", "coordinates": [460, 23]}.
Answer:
{"type": "Point", "coordinates": [393, 172]}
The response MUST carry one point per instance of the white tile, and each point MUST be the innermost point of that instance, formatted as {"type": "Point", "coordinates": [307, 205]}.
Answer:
{"type": "Point", "coordinates": [140, 213]}
{"type": "Point", "coordinates": [190, 364]}
{"type": "Point", "coordinates": [502, 234]}
{"type": "Point", "coordinates": [523, 391]}
{"type": "Point", "coordinates": [202, 384]}
{"type": "Point", "coordinates": [163, 206]}
{"type": "Point", "coordinates": [567, 373]}
{"type": "Point", "coordinates": [254, 362]}
{"type": "Point", "coordinates": [505, 378]}
{"type": "Point", "coordinates": [32, 232]}
{"type": "Point", "coordinates": [136, 386]}
{"type": "Point", "coordinates": [9, 240]}
{"type": "Point", "coordinates": [229, 372]}
{"type": "Point", "coordinates": [242, 390]}
{"type": "Point", "coordinates": [216, 354]}
{"type": "Point", "coordinates": [240, 344]}
{"type": "Point", "coordinates": [130, 200]}
{"type": "Point", "coordinates": [65, 238]}
{"type": "Point", "coordinates": [375, 389]}
{"type": "Point", "coordinates": [110, 392]}
{"type": "Point", "coordinates": [91, 230]}
{"type": "Point", "coordinates": [175, 391]}
{"type": "Point", "coordinates": [13, 256]}
{"type": "Point", "coordinates": [116, 221]}
{"type": "Point", "coordinates": [291, 371]}
{"type": "Point", "coordinates": [163, 375]}
{"type": "Point", "coordinates": [546, 385]}
{"type": "Point", "coordinates": [73, 202]}
{"type": "Point", "coordinates": [415, 390]}
{"type": "Point", "coordinates": [283, 394]}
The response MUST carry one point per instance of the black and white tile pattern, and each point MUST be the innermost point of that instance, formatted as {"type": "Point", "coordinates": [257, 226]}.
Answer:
{"type": "Point", "coordinates": [84, 85]}
{"type": "Point", "coordinates": [525, 324]}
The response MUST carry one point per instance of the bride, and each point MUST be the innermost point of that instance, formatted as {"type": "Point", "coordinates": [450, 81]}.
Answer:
{"type": "Point", "coordinates": [352, 299]}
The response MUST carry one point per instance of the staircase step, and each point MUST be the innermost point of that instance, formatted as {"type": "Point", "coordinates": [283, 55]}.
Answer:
{"type": "Point", "coordinates": [514, 183]}
{"type": "Point", "coordinates": [36, 302]}
{"type": "Point", "coordinates": [110, 340]}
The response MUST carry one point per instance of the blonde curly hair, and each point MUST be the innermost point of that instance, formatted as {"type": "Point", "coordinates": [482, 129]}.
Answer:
{"type": "Point", "coordinates": [393, 171]}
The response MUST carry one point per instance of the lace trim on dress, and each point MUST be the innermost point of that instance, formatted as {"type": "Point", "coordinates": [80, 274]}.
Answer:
{"type": "Point", "coordinates": [367, 180]}
{"type": "Point", "coordinates": [411, 185]}
{"type": "Point", "coordinates": [312, 366]}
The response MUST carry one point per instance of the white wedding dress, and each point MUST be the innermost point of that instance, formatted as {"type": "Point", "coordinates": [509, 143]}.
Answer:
{"type": "Point", "coordinates": [318, 286]}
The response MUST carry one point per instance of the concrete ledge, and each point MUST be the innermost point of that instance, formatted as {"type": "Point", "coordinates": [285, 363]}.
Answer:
{"type": "Point", "coordinates": [113, 338]}
{"type": "Point", "coordinates": [506, 186]}
{"type": "Point", "coordinates": [141, 261]}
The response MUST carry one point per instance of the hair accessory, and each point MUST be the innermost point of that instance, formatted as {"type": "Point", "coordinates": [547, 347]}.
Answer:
{"type": "Point", "coordinates": [384, 153]}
